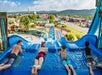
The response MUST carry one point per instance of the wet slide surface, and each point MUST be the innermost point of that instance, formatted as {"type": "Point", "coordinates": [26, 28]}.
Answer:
{"type": "Point", "coordinates": [52, 64]}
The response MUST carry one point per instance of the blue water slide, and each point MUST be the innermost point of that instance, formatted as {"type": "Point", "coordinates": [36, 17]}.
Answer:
{"type": "Point", "coordinates": [23, 64]}
{"type": "Point", "coordinates": [52, 33]}
{"type": "Point", "coordinates": [95, 23]}
{"type": "Point", "coordinates": [14, 38]}
{"type": "Point", "coordinates": [51, 64]}
{"type": "Point", "coordinates": [79, 43]}
{"type": "Point", "coordinates": [58, 34]}
{"type": "Point", "coordinates": [24, 61]}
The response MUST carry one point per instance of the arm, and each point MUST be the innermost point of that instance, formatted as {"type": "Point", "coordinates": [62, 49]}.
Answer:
{"type": "Point", "coordinates": [45, 50]}
{"type": "Point", "coordinates": [20, 49]}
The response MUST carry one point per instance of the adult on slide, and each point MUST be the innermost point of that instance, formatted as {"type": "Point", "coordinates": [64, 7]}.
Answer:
{"type": "Point", "coordinates": [10, 58]}
{"type": "Point", "coordinates": [39, 59]}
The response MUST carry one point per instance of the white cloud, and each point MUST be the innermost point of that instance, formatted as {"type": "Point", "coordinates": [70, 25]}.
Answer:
{"type": "Point", "coordinates": [9, 3]}
{"type": "Point", "coordinates": [5, 1]}
{"type": "Point", "coordinates": [13, 4]}
{"type": "Point", "coordinates": [18, 3]}
{"type": "Point", "coordinates": [62, 4]}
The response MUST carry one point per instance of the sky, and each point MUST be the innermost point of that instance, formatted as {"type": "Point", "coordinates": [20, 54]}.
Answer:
{"type": "Point", "coordinates": [44, 5]}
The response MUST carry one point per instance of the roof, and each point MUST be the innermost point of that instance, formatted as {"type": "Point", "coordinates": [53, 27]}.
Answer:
{"type": "Point", "coordinates": [49, 24]}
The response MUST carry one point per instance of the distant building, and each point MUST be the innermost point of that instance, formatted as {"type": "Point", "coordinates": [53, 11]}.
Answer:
{"type": "Point", "coordinates": [11, 19]}
{"type": "Point", "coordinates": [86, 24]}
{"type": "Point", "coordinates": [77, 20]}
{"type": "Point", "coordinates": [49, 25]}
{"type": "Point", "coordinates": [44, 16]}
{"type": "Point", "coordinates": [13, 27]}
{"type": "Point", "coordinates": [42, 21]}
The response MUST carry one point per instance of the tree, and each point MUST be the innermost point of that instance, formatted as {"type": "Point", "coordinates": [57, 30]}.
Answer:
{"type": "Point", "coordinates": [35, 16]}
{"type": "Point", "coordinates": [70, 37]}
{"type": "Point", "coordinates": [25, 22]}
{"type": "Point", "coordinates": [10, 22]}
{"type": "Point", "coordinates": [33, 26]}
{"type": "Point", "coordinates": [51, 18]}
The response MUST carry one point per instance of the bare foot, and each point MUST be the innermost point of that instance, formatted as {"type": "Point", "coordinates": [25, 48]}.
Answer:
{"type": "Point", "coordinates": [34, 71]}
{"type": "Point", "coordinates": [0, 68]}
{"type": "Point", "coordinates": [1, 65]}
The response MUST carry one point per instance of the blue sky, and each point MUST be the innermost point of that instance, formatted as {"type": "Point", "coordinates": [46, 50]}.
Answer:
{"type": "Point", "coordinates": [45, 5]}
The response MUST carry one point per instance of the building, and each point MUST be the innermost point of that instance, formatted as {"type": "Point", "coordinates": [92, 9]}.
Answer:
{"type": "Point", "coordinates": [44, 16]}
{"type": "Point", "coordinates": [42, 21]}
{"type": "Point", "coordinates": [13, 27]}
{"type": "Point", "coordinates": [49, 25]}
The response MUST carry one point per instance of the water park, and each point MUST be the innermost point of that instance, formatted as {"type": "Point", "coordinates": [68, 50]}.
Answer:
{"type": "Point", "coordinates": [54, 39]}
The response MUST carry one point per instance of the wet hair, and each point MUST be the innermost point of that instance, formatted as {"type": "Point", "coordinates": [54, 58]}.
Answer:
{"type": "Point", "coordinates": [19, 41]}
{"type": "Point", "coordinates": [63, 47]}
{"type": "Point", "coordinates": [87, 43]}
{"type": "Point", "coordinates": [42, 44]}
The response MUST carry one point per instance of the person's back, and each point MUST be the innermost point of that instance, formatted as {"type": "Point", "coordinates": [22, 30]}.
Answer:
{"type": "Point", "coordinates": [63, 54]}
{"type": "Point", "coordinates": [87, 49]}
{"type": "Point", "coordinates": [16, 49]}
{"type": "Point", "coordinates": [39, 59]}
{"type": "Point", "coordinates": [66, 61]}
{"type": "Point", "coordinates": [89, 59]}
{"type": "Point", "coordinates": [43, 47]}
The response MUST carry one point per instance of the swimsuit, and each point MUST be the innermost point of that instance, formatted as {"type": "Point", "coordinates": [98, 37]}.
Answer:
{"type": "Point", "coordinates": [12, 55]}
{"type": "Point", "coordinates": [66, 61]}
{"type": "Point", "coordinates": [41, 54]}
{"type": "Point", "coordinates": [9, 58]}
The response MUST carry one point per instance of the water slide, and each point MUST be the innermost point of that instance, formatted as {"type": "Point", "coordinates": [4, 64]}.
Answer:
{"type": "Point", "coordinates": [52, 64]}
{"type": "Point", "coordinates": [95, 23]}
{"type": "Point", "coordinates": [24, 62]}
{"type": "Point", "coordinates": [52, 33]}
{"type": "Point", "coordinates": [58, 34]}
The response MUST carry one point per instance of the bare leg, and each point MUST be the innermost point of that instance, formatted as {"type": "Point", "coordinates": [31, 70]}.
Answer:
{"type": "Point", "coordinates": [1, 65]}
{"type": "Point", "coordinates": [4, 62]}
{"type": "Point", "coordinates": [90, 70]}
{"type": "Point", "coordinates": [68, 70]}
{"type": "Point", "coordinates": [36, 62]}
{"type": "Point", "coordinates": [41, 59]}
{"type": "Point", "coordinates": [37, 66]}
{"type": "Point", "coordinates": [5, 66]}
{"type": "Point", "coordinates": [72, 69]}
{"type": "Point", "coordinates": [10, 61]}
{"type": "Point", "coordinates": [34, 69]}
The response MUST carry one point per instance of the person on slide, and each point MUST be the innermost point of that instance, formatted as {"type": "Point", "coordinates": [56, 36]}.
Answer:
{"type": "Point", "coordinates": [66, 61]}
{"type": "Point", "coordinates": [89, 58]}
{"type": "Point", "coordinates": [39, 59]}
{"type": "Point", "coordinates": [8, 61]}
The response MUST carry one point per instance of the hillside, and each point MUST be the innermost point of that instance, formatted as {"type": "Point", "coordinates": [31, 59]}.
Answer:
{"type": "Point", "coordinates": [85, 12]}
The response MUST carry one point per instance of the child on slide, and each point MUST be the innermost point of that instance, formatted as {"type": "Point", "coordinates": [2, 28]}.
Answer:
{"type": "Point", "coordinates": [39, 59]}
{"type": "Point", "coordinates": [66, 61]}
{"type": "Point", "coordinates": [89, 58]}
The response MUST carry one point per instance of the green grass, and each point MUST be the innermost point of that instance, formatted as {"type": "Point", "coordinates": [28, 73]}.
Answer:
{"type": "Point", "coordinates": [75, 32]}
